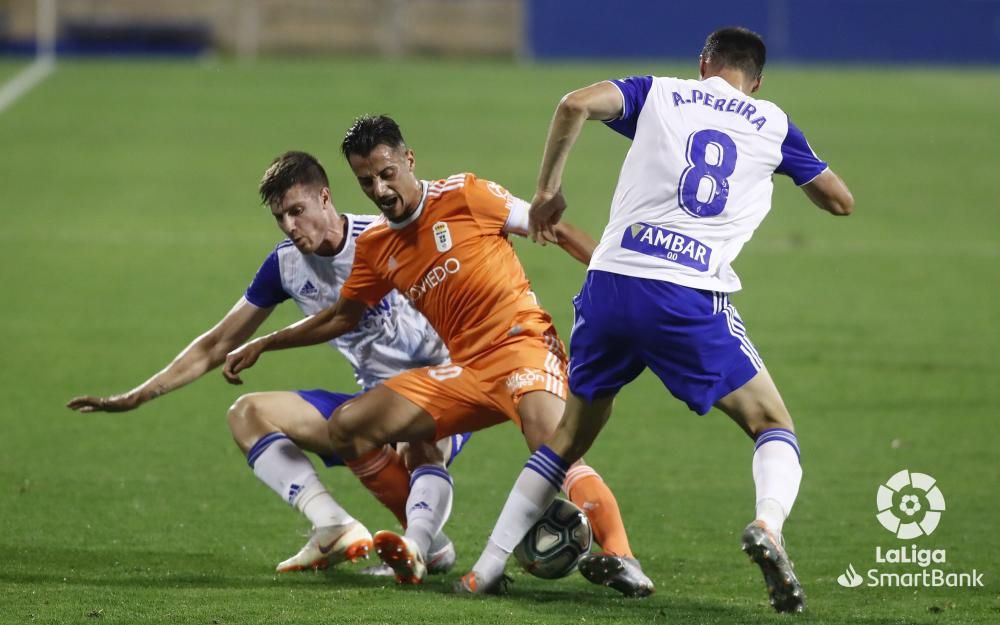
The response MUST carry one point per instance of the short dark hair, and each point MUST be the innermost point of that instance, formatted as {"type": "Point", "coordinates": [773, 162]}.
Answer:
{"type": "Point", "coordinates": [288, 170]}
{"type": "Point", "coordinates": [369, 131]}
{"type": "Point", "coordinates": [736, 47]}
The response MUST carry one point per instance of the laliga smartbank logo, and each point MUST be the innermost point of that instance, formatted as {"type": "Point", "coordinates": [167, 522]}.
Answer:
{"type": "Point", "coordinates": [850, 578]}
{"type": "Point", "coordinates": [909, 505]}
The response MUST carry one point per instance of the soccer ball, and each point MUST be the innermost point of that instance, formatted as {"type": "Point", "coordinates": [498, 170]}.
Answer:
{"type": "Point", "coordinates": [553, 546]}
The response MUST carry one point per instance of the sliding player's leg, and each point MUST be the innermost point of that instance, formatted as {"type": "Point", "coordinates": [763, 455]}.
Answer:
{"type": "Point", "coordinates": [427, 510]}
{"type": "Point", "coordinates": [272, 429]}
{"type": "Point", "coordinates": [361, 431]}
{"type": "Point", "coordinates": [401, 410]}
{"type": "Point", "coordinates": [429, 504]}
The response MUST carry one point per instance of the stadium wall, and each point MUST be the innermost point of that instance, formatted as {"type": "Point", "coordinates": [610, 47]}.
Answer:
{"type": "Point", "coordinates": [863, 31]}
{"type": "Point", "coordinates": [870, 31]}
{"type": "Point", "coordinates": [247, 28]}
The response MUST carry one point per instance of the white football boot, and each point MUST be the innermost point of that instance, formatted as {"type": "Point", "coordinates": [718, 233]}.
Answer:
{"type": "Point", "coordinates": [402, 554]}
{"type": "Point", "coordinates": [330, 545]}
{"type": "Point", "coordinates": [440, 560]}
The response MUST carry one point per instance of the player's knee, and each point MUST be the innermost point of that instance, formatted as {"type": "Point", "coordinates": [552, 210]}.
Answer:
{"type": "Point", "coordinates": [354, 431]}
{"type": "Point", "coordinates": [244, 418]}
{"type": "Point", "coordinates": [342, 437]}
{"type": "Point", "coordinates": [420, 454]}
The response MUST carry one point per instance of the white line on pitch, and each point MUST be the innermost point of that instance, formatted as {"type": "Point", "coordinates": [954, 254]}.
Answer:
{"type": "Point", "coordinates": [24, 82]}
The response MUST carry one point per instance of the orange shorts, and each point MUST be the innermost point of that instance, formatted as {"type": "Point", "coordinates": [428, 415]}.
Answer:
{"type": "Point", "coordinates": [485, 391]}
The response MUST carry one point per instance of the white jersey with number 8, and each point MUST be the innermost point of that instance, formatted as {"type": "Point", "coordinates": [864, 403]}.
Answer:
{"type": "Point", "coordinates": [696, 182]}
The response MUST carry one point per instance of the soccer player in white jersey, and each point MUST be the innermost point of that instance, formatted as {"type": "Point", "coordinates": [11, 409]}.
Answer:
{"type": "Point", "coordinates": [273, 428]}
{"type": "Point", "coordinates": [695, 185]}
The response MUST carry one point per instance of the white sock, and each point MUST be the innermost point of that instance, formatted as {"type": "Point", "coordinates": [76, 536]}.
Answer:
{"type": "Point", "coordinates": [439, 542]}
{"type": "Point", "coordinates": [280, 464]}
{"type": "Point", "coordinates": [533, 491]}
{"type": "Point", "coordinates": [428, 505]}
{"type": "Point", "coordinates": [776, 475]}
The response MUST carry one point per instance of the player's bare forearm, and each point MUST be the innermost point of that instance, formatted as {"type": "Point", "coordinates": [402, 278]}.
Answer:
{"type": "Point", "coordinates": [202, 355]}
{"type": "Point", "coordinates": [829, 192]}
{"type": "Point", "coordinates": [601, 101]}
{"type": "Point", "coordinates": [563, 133]}
{"type": "Point", "coordinates": [324, 326]}
{"type": "Point", "coordinates": [192, 363]}
{"type": "Point", "coordinates": [208, 351]}
{"type": "Point", "coordinates": [319, 328]}
{"type": "Point", "coordinates": [575, 242]}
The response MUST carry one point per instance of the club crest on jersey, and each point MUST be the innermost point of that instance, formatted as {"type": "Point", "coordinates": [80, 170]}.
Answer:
{"type": "Point", "coordinates": [668, 245]}
{"type": "Point", "coordinates": [442, 236]}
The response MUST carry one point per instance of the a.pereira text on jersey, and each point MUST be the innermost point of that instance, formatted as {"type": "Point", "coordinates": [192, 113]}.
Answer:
{"type": "Point", "coordinates": [696, 182]}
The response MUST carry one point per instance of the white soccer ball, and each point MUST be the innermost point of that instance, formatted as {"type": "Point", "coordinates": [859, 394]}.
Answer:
{"type": "Point", "coordinates": [552, 547]}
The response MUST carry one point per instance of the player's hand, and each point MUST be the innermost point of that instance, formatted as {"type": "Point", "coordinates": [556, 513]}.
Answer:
{"type": "Point", "coordinates": [241, 358]}
{"type": "Point", "coordinates": [545, 212]}
{"type": "Point", "coordinates": [115, 403]}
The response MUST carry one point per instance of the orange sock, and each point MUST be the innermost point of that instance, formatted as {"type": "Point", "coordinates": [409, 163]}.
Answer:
{"type": "Point", "coordinates": [383, 473]}
{"type": "Point", "coordinates": [588, 491]}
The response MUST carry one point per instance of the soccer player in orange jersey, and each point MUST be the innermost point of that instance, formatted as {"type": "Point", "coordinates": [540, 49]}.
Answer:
{"type": "Point", "coordinates": [444, 245]}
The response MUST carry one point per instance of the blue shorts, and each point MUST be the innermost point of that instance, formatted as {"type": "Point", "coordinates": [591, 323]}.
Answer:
{"type": "Point", "coordinates": [693, 340]}
{"type": "Point", "coordinates": [326, 402]}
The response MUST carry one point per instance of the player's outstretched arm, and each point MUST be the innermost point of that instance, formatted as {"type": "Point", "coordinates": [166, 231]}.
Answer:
{"type": "Point", "coordinates": [601, 101]}
{"type": "Point", "coordinates": [205, 353]}
{"type": "Point", "coordinates": [575, 242]}
{"type": "Point", "coordinates": [571, 239]}
{"type": "Point", "coordinates": [829, 192]}
{"type": "Point", "coordinates": [324, 326]}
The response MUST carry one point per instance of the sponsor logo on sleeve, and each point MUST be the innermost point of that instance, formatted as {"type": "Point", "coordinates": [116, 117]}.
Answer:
{"type": "Point", "coordinates": [497, 190]}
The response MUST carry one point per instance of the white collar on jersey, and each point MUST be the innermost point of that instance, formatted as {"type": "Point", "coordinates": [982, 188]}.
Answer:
{"type": "Point", "coordinates": [722, 82]}
{"type": "Point", "coordinates": [348, 238]}
{"type": "Point", "coordinates": [396, 225]}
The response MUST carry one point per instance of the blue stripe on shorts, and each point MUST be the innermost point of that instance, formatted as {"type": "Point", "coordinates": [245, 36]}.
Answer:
{"type": "Point", "coordinates": [458, 442]}
{"type": "Point", "coordinates": [693, 340]}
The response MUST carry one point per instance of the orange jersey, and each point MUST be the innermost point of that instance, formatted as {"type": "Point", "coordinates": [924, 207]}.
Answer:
{"type": "Point", "coordinates": [452, 260]}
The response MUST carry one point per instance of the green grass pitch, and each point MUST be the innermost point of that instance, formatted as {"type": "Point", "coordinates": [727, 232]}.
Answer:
{"type": "Point", "coordinates": [131, 224]}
